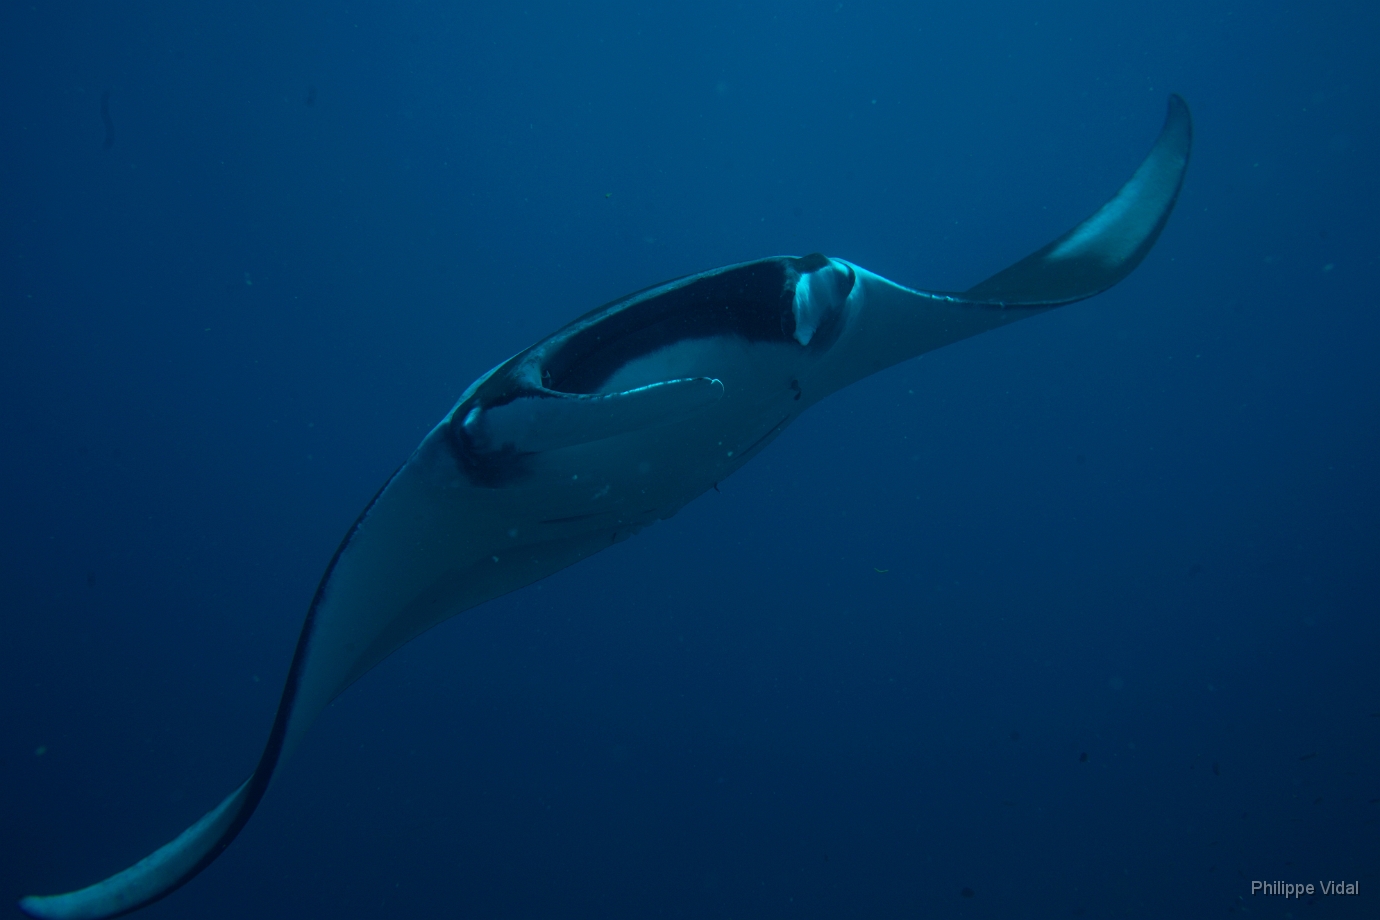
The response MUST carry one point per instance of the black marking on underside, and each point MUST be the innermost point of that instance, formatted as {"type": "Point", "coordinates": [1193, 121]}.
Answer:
{"type": "Point", "coordinates": [489, 468]}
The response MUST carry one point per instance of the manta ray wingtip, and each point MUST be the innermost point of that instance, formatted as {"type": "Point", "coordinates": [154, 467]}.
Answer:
{"type": "Point", "coordinates": [155, 876]}
{"type": "Point", "coordinates": [1110, 243]}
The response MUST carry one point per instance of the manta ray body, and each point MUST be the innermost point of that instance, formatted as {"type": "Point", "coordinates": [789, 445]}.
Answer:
{"type": "Point", "coordinates": [613, 422]}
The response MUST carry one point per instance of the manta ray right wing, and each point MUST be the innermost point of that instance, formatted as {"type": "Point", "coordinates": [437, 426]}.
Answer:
{"type": "Point", "coordinates": [896, 322]}
{"type": "Point", "coordinates": [1107, 246]}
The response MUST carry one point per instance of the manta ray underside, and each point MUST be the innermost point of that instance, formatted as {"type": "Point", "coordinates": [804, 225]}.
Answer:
{"type": "Point", "coordinates": [613, 422]}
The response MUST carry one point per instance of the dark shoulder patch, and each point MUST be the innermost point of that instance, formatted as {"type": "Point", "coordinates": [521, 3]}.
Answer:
{"type": "Point", "coordinates": [487, 467]}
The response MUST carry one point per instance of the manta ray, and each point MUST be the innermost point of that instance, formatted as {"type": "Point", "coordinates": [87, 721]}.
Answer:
{"type": "Point", "coordinates": [613, 422]}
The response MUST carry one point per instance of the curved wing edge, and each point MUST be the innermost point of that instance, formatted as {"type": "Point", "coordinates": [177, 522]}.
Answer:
{"type": "Point", "coordinates": [1106, 247]}
{"type": "Point", "coordinates": [179, 861]}
{"type": "Point", "coordinates": [156, 875]}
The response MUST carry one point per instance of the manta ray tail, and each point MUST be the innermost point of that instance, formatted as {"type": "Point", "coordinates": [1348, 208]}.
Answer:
{"type": "Point", "coordinates": [1107, 246]}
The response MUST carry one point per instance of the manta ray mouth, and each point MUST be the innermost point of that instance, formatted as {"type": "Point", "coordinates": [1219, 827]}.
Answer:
{"type": "Point", "coordinates": [754, 302]}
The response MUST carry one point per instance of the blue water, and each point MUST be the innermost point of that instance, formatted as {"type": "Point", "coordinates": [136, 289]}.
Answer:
{"type": "Point", "coordinates": [1121, 662]}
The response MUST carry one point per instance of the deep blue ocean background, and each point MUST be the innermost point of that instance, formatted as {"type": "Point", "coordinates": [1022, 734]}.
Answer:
{"type": "Point", "coordinates": [1143, 528]}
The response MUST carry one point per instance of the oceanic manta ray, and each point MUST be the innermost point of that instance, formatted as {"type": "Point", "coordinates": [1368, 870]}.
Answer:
{"type": "Point", "coordinates": [615, 421]}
